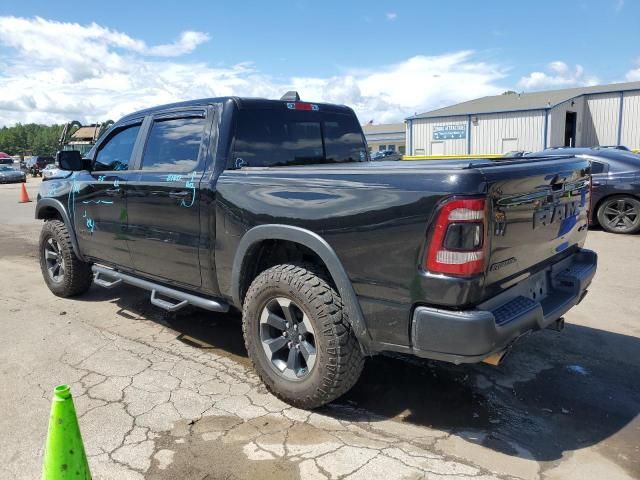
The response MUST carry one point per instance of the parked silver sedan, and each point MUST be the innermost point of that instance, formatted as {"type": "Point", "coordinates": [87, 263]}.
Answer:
{"type": "Point", "coordinates": [50, 170]}
{"type": "Point", "coordinates": [9, 175]}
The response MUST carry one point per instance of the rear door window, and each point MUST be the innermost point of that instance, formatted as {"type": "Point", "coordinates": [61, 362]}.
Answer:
{"type": "Point", "coordinates": [272, 137]}
{"type": "Point", "coordinates": [173, 144]}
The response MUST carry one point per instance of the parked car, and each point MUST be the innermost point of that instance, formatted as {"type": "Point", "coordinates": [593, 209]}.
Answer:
{"type": "Point", "coordinates": [386, 155]}
{"type": "Point", "coordinates": [516, 153]}
{"type": "Point", "coordinates": [6, 161]}
{"type": "Point", "coordinates": [50, 171]}
{"type": "Point", "coordinates": [616, 187]}
{"type": "Point", "coordinates": [615, 147]}
{"type": "Point", "coordinates": [272, 208]}
{"type": "Point", "coordinates": [9, 175]}
{"type": "Point", "coordinates": [35, 165]}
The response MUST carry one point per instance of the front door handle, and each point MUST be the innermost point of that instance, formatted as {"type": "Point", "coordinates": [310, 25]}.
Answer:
{"type": "Point", "coordinates": [180, 194]}
{"type": "Point", "coordinates": [114, 192]}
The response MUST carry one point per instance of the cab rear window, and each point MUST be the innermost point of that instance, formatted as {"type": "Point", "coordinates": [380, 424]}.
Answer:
{"type": "Point", "coordinates": [272, 137]}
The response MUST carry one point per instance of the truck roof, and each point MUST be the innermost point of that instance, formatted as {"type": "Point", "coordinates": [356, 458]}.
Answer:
{"type": "Point", "coordinates": [241, 102]}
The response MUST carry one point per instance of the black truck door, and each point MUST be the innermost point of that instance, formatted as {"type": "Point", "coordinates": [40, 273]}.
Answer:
{"type": "Point", "coordinates": [97, 200]}
{"type": "Point", "coordinates": [164, 200]}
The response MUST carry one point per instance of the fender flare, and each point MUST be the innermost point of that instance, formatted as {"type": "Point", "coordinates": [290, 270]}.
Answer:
{"type": "Point", "coordinates": [318, 245]}
{"type": "Point", "coordinates": [57, 206]}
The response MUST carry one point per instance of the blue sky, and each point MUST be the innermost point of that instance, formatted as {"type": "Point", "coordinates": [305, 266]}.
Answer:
{"type": "Point", "coordinates": [354, 51]}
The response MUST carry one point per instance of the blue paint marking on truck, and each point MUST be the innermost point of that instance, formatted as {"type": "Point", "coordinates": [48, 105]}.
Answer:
{"type": "Point", "coordinates": [98, 202]}
{"type": "Point", "coordinates": [90, 223]}
{"type": "Point", "coordinates": [190, 183]}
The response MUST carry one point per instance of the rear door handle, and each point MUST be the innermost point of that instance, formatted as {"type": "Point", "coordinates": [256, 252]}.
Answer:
{"type": "Point", "coordinates": [180, 194]}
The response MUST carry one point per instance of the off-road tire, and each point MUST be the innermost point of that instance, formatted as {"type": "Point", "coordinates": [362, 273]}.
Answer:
{"type": "Point", "coordinates": [77, 274]}
{"type": "Point", "coordinates": [339, 359]}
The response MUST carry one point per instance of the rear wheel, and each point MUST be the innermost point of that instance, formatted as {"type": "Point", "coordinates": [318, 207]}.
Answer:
{"type": "Point", "coordinates": [297, 336]}
{"type": "Point", "coordinates": [620, 214]}
{"type": "Point", "coordinates": [63, 272]}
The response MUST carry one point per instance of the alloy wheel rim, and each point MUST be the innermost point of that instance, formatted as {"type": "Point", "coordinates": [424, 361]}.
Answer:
{"type": "Point", "coordinates": [621, 214]}
{"type": "Point", "coordinates": [54, 260]}
{"type": "Point", "coordinates": [288, 338]}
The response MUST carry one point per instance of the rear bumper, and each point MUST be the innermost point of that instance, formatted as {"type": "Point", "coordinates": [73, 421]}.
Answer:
{"type": "Point", "coordinates": [532, 304]}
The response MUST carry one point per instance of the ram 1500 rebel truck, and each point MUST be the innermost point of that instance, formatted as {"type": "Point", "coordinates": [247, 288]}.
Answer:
{"type": "Point", "coordinates": [272, 208]}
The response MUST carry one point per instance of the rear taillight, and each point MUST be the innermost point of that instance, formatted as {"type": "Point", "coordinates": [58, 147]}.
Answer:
{"type": "Point", "coordinates": [302, 106]}
{"type": "Point", "coordinates": [458, 243]}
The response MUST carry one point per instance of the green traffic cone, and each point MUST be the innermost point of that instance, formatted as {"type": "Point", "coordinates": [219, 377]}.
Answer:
{"type": "Point", "coordinates": [64, 456]}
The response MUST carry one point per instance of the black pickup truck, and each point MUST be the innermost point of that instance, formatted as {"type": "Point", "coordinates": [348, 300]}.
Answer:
{"type": "Point", "coordinates": [273, 208]}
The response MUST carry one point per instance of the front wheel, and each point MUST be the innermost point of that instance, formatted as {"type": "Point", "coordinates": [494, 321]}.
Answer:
{"type": "Point", "coordinates": [63, 272]}
{"type": "Point", "coordinates": [297, 335]}
{"type": "Point", "coordinates": [620, 214]}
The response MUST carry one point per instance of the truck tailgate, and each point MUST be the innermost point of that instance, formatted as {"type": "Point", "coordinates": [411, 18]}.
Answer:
{"type": "Point", "coordinates": [537, 210]}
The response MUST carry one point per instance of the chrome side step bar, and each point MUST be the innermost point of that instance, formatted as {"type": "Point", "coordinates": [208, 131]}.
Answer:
{"type": "Point", "coordinates": [109, 278]}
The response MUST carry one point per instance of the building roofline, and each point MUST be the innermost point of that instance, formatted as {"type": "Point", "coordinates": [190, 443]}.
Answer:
{"type": "Point", "coordinates": [467, 114]}
{"type": "Point", "coordinates": [541, 109]}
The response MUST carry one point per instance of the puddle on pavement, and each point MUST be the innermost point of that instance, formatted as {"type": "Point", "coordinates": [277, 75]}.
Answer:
{"type": "Point", "coordinates": [196, 458]}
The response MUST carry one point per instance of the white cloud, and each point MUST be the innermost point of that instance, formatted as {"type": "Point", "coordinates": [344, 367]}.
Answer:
{"type": "Point", "coordinates": [187, 42]}
{"type": "Point", "coordinates": [391, 16]}
{"type": "Point", "coordinates": [54, 72]}
{"type": "Point", "coordinates": [560, 76]}
{"type": "Point", "coordinates": [634, 74]}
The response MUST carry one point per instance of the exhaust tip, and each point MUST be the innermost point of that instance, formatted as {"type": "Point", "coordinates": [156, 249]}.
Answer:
{"type": "Point", "coordinates": [496, 358]}
{"type": "Point", "coordinates": [558, 325]}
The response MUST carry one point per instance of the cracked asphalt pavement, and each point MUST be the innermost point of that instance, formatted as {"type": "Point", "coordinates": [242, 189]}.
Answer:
{"type": "Point", "coordinates": [173, 396]}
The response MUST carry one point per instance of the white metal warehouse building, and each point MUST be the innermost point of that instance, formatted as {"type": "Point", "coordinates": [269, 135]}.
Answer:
{"type": "Point", "coordinates": [581, 117]}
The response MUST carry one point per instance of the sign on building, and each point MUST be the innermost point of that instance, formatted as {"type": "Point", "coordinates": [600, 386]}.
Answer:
{"type": "Point", "coordinates": [449, 132]}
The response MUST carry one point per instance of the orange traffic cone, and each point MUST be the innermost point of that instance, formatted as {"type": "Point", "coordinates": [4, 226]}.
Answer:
{"type": "Point", "coordinates": [24, 196]}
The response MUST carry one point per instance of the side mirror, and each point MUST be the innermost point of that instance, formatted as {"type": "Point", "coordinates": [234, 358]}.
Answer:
{"type": "Point", "coordinates": [70, 160]}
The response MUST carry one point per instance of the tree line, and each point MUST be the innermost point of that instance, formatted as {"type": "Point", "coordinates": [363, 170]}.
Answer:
{"type": "Point", "coordinates": [30, 139]}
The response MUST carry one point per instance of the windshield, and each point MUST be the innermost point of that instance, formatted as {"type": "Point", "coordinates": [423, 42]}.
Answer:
{"type": "Point", "coordinates": [4, 168]}
{"type": "Point", "coordinates": [271, 137]}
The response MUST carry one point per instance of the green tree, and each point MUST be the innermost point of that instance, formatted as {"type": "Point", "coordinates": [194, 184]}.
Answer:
{"type": "Point", "coordinates": [30, 139]}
